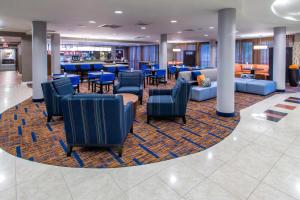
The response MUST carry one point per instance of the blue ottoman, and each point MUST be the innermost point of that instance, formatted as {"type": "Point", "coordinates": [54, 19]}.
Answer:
{"type": "Point", "coordinates": [241, 84]}
{"type": "Point", "coordinates": [261, 87]}
{"type": "Point", "coordinates": [204, 93]}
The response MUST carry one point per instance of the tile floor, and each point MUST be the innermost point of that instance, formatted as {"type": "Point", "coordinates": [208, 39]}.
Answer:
{"type": "Point", "coordinates": [260, 160]}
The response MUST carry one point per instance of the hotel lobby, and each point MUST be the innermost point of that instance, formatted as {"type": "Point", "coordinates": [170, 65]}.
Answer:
{"type": "Point", "coordinates": [153, 100]}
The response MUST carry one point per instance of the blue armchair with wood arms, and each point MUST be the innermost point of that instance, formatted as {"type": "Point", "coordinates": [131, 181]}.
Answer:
{"type": "Point", "coordinates": [169, 102]}
{"type": "Point", "coordinates": [95, 120]}
{"type": "Point", "coordinates": [53, 92]}
{"type": "Point", "coordinates": [130, 82]}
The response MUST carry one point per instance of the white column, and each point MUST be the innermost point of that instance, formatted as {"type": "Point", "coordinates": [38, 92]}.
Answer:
{"type": "Point", "coordinates": [39, 58]}
{"type": "Point", "coordinates": [213, 53]}
{"type": "Point", "coordinates": [163, 52]}
{"type": "Point", "coordinates": [55, 53]}
{"type": "Point", "coordinates": [279, 57]}
{"type": "Point", "coordinates": [226, 54]}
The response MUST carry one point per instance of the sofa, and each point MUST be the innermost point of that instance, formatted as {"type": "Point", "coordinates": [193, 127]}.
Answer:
{"type": "Point", "coordinates": [253, 86]}
{"type": "Point", "coordinates": [171, 103]}
{"type": "Point", "coordinates": [262, 73]}
{"type": "Point", "coordinates": [53, 92]}
{"type": "Point", "coordinates": [130, 82]}
{"type": "Point", "coordinates": [94, 120]}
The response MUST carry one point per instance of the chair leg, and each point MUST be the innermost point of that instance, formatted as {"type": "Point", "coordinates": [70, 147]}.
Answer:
{"type": "Point", "coordinates": [184, 119]}
{"type": "Point", "coordinates": [49, 118]}
{"type": "Point", "coordinates": [148, 119]}
{"type": "Point", "coordinates": [131, 129]}
{"type": "Point", "coordinates": [141, 101]}
{"type": "Point", "coordinates": [120, 151]}
{"type": "Point", "coordinates": [69, 150]}
{"type": "Point", "coordinates": [78, 90]}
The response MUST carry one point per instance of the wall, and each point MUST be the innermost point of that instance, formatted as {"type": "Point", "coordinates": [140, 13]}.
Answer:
{"type": "Point", "coordinates": [26, 59]}
{"type": "Point", "coordinates": [296, 50]}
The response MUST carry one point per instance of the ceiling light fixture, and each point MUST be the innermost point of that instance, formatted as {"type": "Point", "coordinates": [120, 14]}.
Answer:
{"type": "Point", "coordinates": [211, 27]}
{"type": "Point", "coordinates": [205, 35]}
{"type": "Point", "coordinates": [143, 27]}
{"type": "Point", "coordinates": [81, 26]}
{"type": "Point", "coordinates": [173, 21]}
{"type": "Point", "coordinates": [176, 50]}
{"type": "Point", "coordinates": [179, 32]}
{"type": "Point", "coordinates": [92, 22]}
{"type": "Point", "coordinates": [118, 12]}
{"type": "Point", "coordinates": [148, 36]}
{"type": "Point", "coordinates": [260, 46]}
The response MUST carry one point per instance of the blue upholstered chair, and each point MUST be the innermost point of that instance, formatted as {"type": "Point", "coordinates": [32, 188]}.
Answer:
{"type": "Point", "coordinates": [104, 80]}
{"type": "Point", "coordinates": [130, 82]}
{"type": "Point", "coordinates": [94, 120]}
{"type": "Point", "coordinates": [70, 68]}
{"type": "Point", "coordinates": [172, 71]}
{"type": "Point", "coordinates": [169, 102]}
{"type": "Point", "coordinates": [53, 92]}
{"type": "Point", "coordinates": [98, 67]}
{"type": "Point", "coordinates": [160, 76]}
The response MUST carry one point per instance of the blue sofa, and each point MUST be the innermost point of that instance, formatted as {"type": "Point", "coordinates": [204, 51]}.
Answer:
{"type": "Point", "coordinates": [253, 86]}
{"type": "Point", "coordinates": [53, 92]}
{"type": "Point", "coordinates": [94, 120]}
{"type": "Point", "coordinates": [130, 82]}
{"type": "Point", "coordinates": [169, 102]}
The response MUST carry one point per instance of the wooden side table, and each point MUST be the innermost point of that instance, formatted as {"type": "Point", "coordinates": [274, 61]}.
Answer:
{"type": "Point", "coordinates": [127, 97]}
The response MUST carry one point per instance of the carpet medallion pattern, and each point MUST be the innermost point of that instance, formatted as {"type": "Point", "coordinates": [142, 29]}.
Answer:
{"type": "Point", "coordinates": [26, 134]}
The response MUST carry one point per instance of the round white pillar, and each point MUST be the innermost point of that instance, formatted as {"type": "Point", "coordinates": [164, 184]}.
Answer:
{"type": "Point", "coordinates": [163, 52]}
{"type": "Point", "coordinates": [279, 58]}
{"type": "Point", "coordinates": [55, 53]}
{"type": "Point", "coordinates": [39, 58]}
{"type": "Point", "coordinates": [226, 54]}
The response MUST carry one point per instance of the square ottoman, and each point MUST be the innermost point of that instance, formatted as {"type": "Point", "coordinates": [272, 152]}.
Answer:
{"type": "Point", "coordinates": [261, 87]}
{"type": "Point", "coordinates": [199, 93]}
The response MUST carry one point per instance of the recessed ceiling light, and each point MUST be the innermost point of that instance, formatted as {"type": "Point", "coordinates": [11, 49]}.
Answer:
{"type": "Point", "coordinates": [179, 32]}
{"type": "Point", "coordinates": [211, 27]}
{"type": "Point", "coordinates": [92, 22]}
{"type": "Point", "coordinates": [81, 26]}
{"type": "Point", "coordinates": [118, 12]}
{"type": "Point", "coordinates": [148, 36]}
{"type": "Point", "coordinates": [143, 27]}
{"type": "Point", "coordinates": [2, 40]}
{"type": "Point", "coordinates": [205, 35]}
{"type": "Point", "coordinates": [1, 28]}
{"type": "Point", "coordinates": [173, 21]}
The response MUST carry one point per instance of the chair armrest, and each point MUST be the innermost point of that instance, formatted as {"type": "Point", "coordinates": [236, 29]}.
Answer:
{"type": "Point", "coordinates": [155, 92]}
{"type": "Point", "coordinates": [116, 87]}
{"type": "Point", "coordinates": [129, 116]}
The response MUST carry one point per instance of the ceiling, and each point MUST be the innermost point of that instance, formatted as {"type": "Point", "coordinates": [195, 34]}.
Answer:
{"type": "Point", "coordinates": [71, 18]}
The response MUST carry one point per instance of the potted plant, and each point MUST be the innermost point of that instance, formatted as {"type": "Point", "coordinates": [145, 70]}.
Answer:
{"type": "Point", "coordinates": [294, 75]}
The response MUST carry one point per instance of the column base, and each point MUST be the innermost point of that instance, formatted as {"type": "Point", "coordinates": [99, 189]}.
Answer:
{"type": "Point", "coordinates": [37, 100]}
{"type": "Point", "coordinates": [225, 114]}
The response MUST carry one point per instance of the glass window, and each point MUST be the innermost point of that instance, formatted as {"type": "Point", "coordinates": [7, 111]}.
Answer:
{"type": "Point", "coordinates": [204, 55]}
{"type": "Point", "coordinates": [247, 53]}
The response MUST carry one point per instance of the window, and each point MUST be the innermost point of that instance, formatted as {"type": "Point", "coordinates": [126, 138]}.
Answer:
{"type": "Point", "coordinates": [205, 55]}
{"type": "Point", "coordinates": [264, 54]}
{"type": "Point", "coordinates": [247, 53]}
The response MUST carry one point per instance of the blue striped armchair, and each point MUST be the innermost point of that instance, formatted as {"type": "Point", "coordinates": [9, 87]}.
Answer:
{"type": "Point", "coordinates": [53, 92]}
{"type": "Point", "coordinates": [130, 82]}
{"type": "Point", "coordinates": [169, 102]}
{"type": "Point", "coordinates": [95, 120]}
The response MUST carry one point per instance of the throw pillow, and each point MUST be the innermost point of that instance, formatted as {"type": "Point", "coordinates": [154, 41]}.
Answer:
{"type": "Point", "coordinates": [195, 74]}
{"type": "Point", "coordinates": [206, 83]}
{"type": "Point", "coordinates": [200, 79]}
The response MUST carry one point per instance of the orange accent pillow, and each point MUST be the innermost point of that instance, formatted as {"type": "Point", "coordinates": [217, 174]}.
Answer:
{"type": "Point", "coordinates": [200, 79]}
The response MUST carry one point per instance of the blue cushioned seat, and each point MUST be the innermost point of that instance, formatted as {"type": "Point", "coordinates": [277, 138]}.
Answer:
{"type": "Point", "coordinates": [199, 93]}
{"type": "Point", "coordinates": [261, 87]}
{"type": "Point", "coordinates": [94, 120]}
{"type": "Point", "coordinates": [130, 82]}
{"type": "Point", "coordinates": [53, 92]}
{"type": "Point", "coordinates": [169, 103]}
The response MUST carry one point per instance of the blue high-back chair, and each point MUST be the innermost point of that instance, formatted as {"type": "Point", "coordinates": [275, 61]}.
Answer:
{"type": "Point", "coordinates": [160, 76]}
{"type": "Point", "coordinates": [85, 67]}
{"type": "Point", "coordinates": [146, 73]}
{"type": "Point", "coordinates": [94, 120]}
{"type": "Point", "coordinates": [112, 69]}
{"type": "Point", "coordinates": [105, 80]}
{"type": "Point", "coordinates": [156, 66]}
{"type": "Point", "coordinates": [53, 92]}
{"type": "Point", "coordinates": [169, 102]}
{"type": "Point", "coordinates": [98, 67]}
{"type": "Point", "coordinates": [172, 71]}
{"type": "Point", "coordinates": [130, 82]}
{"type": "Point", "coordinates": [70, 68]}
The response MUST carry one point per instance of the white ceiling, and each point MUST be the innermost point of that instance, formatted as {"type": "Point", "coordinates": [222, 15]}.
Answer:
{"type": "Point", "coordinates": [254, 18]}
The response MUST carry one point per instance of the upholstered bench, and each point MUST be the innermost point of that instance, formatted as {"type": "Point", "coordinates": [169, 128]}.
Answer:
{"type": "Point", "coordinates": [261, 87]}
{"type": "Point", "coordinates": [199, 93]}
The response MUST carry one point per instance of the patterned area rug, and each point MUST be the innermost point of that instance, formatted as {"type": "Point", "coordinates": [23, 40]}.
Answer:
{"type": "Point", "coordinates": [26, 134]}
